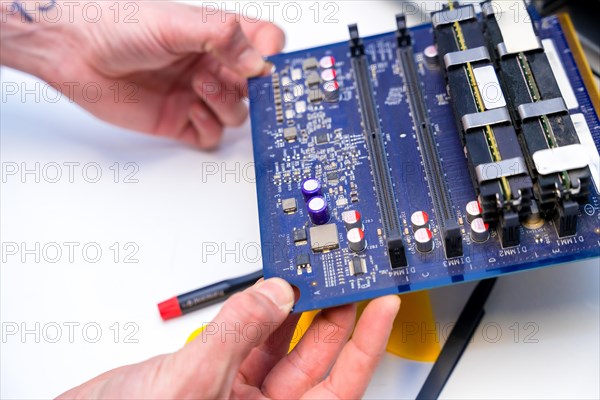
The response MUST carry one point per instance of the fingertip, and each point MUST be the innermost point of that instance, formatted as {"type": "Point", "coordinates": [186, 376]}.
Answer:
{"type": "Point", "coordinates": [270, 39]}
{"type": "Point", "coordinates": [227, 41]}
{"type": "Point", "coordinates": [389, 305]}
{"type": "Point", "coordinates": [278, 291]}
{"type": "Point", "coordinates": [267, 37]}
{"type": "Point", "coordinates": [210, 143]}
{"type": "Point", "coordinates": [251, 63]}
{"type": "Point", "coordinates": [258, 282]}
{"type": "Point", "coordinates": [208, 129]}
{"type": "Point", "coordinates": [394, 302]}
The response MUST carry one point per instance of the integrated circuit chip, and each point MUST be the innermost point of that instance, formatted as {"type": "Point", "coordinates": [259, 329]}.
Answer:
{"type": "Point", "coordinates": [322, 138]}
{"type": "Point", "coordinates": [300, 236]}
{"type": "Point", "coordinates": [303, 261]}
{"type": "Point", "coordinates": [324, 237]}
{"type": "Point", "coordinates": [332, 177]}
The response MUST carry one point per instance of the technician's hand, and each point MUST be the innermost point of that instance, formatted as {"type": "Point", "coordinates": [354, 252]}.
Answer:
{"type": "Point", "coordinates": [179, 71]}
{"type": "Point", "coordinates": [243, 354]}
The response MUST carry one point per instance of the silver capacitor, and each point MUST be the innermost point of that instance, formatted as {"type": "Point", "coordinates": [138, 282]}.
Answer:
{"type": "Point", "coordinates": [327, 62]}
{"type": "Point", "coordinates": [479, 230]}
{"type": "Point", "coordinates": [431, 55]}
{"type": "Point", "coordinates": [424, 240]}
{"type": "Point", "coordinates": [473, 210]}
{"type": "Point", "coordinates": [331, 90]}
{"type": "Point", "coordinates": [418, 220]}
{"type": "Point", "coordinates": [328, 75]}
{"type": "Point", "coordinates": [352, 219]}
{"type": "Point", "coordinates": [356, 240]}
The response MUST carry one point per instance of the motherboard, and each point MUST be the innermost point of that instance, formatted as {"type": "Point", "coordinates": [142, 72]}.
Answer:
{"type": "Point", "coordinates": [453, 151]}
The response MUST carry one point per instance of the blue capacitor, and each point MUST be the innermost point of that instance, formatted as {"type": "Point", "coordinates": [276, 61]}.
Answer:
{"type": "Point", "coordinates": [311, 188]}
{"type": "Point", "coordinates": [318, 210]}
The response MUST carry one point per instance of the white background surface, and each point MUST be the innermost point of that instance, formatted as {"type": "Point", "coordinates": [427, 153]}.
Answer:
{"type": "Point", "coordinates": [174, 208]}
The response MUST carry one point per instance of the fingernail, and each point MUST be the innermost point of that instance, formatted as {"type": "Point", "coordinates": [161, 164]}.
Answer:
{"type": "Point", "coordinates": [252, 61]}
{"type": "Point", "coordinates": [279, 292]}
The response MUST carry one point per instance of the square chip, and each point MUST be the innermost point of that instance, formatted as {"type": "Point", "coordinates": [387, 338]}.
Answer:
{"type": "Point", "coordinates": [313, 79]}
{"type": "Point", "coordinates": [324, 237]}
{"type": "Point", "coordinates": [289, 205]}
{"type": "Point", "coordinates": [303, 261]}
{"type": "Point", "coordinates": [332, 177]}
{"type": "Point", "coordinates": [300, 236]}
{"type": "Point", "coordinates": [322, 138]}
{"type": "Point", "coordinates": [358, 266]}
{"type": "Point", "coordinates": [290, 133]}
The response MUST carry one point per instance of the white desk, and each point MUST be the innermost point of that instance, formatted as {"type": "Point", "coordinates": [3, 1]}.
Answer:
{"type": "Point", "coordinates": [170, 212]}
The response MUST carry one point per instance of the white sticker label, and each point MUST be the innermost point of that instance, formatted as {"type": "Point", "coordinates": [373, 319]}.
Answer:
{"type": "Point", "coordinates": [587, 141]}
{"type": "Point", "coordinates": [489, 87]}
{"type": "Point", "coordinates": [559, 159]}
{"type": "Point", "coordinates": [515, 25]}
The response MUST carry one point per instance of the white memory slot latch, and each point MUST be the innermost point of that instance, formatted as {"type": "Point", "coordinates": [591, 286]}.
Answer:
{"type": "Point", "coordinates": [558, 70]}
{"type": "Point", "coordinates": [587, 141]}
{"type": "Point", "coordinates": [559, 159]}
{"type": "Point", "coordinates": [516, 28]}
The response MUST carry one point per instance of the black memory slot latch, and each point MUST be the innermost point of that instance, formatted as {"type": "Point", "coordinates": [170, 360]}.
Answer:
{"type": "Point", "coordinates": [402, 35]}
{"type": "Point", "coordinates": [357, 47]}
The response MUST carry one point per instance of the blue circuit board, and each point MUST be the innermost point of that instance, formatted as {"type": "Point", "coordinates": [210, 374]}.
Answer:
{"type": "Point", "coordinates": [330, 146]}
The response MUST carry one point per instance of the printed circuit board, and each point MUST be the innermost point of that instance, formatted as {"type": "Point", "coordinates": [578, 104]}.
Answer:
{"type": "Point", "coordinates": [453, 151]}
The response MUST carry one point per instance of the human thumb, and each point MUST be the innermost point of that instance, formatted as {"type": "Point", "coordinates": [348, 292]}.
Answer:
{"type": "Point", "coordinates": [246, 321]}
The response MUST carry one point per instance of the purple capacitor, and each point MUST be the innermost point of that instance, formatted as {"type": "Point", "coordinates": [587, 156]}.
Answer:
{"type": "Point", "coordinates": [311, 188]}
{"type": "Point", "coordinates": [318, 210]}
